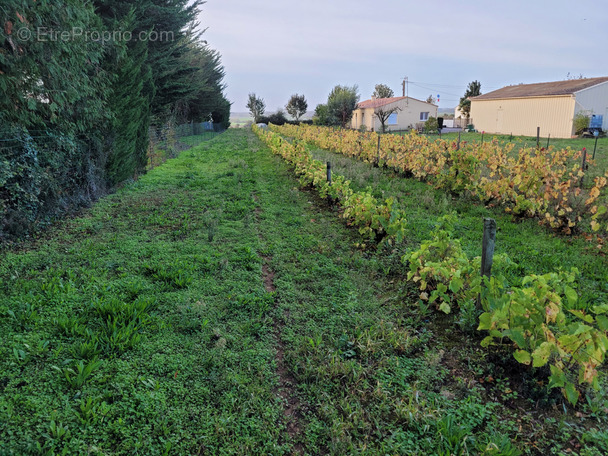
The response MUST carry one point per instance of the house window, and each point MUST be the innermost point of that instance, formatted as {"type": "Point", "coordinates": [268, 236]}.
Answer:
{"type": "Point", "coordinates": [392, 119]}
{"type": "Point", "coordinates": [424, 116]}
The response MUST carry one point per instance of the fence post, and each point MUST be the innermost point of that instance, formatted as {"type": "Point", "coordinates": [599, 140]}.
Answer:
{"type": "Point", "coordinates": [584, 166]}
{"type": "Point", "coordinates": [329, 173]}
{"type": "Point", "coordinates": [488, 244]}
{"type": "Point", "coordinates": [595, 146]}
{"type": "Point", "coordinates": [487, 250]}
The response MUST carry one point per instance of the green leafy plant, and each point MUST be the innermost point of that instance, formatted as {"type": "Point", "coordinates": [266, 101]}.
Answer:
{"type": "Point", "coordinates": [71, 326]}
{"type": "Point", "coordinates": [441, 268]}
{"type": "Point", "coordinates": [87, 349]}
{"type": "Point", "coordinates": [78, 373]}
{"type": "Point", "coordinates": [543, 322]}
{"type": "Point", "coordinates": [431, 125]}
{"type": "Point", "coordinates": [58, 431]}
{"type": "Point", "coordinates": [25, 316]}
{"type": "Point", "coordinates": [116, 336]}
{"type": "Point", "coordinates": [173, 276]}
{"type": "Point", "coordinates": [92, 410]}
{"type": "Point", "coordinates": [581, 122]}
{"type": "Point", "coordinates": [20, 355]}
{"type": "Point", "coordinates": [540, 318]}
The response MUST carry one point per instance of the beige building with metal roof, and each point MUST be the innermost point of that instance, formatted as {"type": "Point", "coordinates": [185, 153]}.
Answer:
{"type": "Point", "coordinates": [520, 109]}
{"type": "Point", "coordinates": [409, 112]}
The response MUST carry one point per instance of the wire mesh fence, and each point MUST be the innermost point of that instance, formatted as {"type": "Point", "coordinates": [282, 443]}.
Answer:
{"type": "Point", "coordinates": [168, 140]}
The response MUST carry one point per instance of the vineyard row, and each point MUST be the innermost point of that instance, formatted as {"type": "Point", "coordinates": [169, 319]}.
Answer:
{"type": "Point", "coordinates": [542, 320]}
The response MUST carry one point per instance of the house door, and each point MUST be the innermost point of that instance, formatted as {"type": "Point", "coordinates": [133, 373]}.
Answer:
{"type": "Point", "coordinates": [499, 120]}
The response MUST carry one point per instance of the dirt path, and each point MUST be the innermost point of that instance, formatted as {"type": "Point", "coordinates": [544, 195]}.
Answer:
{"type": "Point", "coordinates": [287, 384]}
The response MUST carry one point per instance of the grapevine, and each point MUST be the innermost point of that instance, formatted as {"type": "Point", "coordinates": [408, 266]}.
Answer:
{"type": "Point", "coordinates": [527, 183]}
{"type": "Point", "coordinates": [374, 220]}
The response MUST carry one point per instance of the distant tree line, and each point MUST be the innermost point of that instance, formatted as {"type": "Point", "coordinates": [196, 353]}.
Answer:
{"type": "Point", "coordinates": [341, 102]}
{"type": "Point", "coordinates": [78, 101]}
{"type": "Point", "coordinates": [296, 107]}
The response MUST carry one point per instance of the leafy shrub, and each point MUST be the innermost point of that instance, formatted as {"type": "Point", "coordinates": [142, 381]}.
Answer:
{"type": "Point", "coordinates": [431, 125]}
{"type": "Point", "coordinates": [277, 118]}
{"type": "Point", "coordinates": [42, 178]}
{"type": "Point", "coordinates": [581, 122]}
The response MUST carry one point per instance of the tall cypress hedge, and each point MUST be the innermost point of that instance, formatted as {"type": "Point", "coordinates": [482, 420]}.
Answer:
{"type": "Point", "coordinates": [75, 111]}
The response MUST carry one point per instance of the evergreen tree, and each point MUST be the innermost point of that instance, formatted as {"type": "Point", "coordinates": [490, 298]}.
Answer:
{"type": "Point", "coordinates": [54, 108]}
{"type": "Point", "coordinates": [79, 110]}
{"type": "Point", "coordinates": [473, 90]}
{"type": "Point", "coordinates": [207, 100]}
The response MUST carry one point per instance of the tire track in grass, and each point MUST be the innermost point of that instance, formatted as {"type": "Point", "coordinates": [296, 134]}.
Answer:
{"type": "Point", "coordinates": [286, 390]}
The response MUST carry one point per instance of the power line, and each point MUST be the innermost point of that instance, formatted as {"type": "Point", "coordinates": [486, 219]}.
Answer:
{"type": "Point", "coordinates": [437, 87]}
{"type": "Point", "coordinates": [447, 85]}
{"type": "Point", "coordinates": [432, 89]}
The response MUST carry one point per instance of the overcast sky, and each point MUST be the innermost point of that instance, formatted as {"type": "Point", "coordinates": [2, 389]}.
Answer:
{"type": "Point", "coordinates": [276, 48]}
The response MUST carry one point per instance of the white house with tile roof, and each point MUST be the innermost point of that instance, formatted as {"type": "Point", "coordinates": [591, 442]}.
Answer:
{"type": "Point", "coordinates": [409, 112]}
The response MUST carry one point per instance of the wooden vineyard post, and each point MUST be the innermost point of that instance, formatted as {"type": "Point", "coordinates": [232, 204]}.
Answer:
{"type": "Point", "coordinates": [487, 250]}
{"type": "Point", "coordinates": [488, 244]}
{"type": "Point", "coordinates": [548, 138]}
{"type": "Point", "coordinates": [538, 137]}
{"type": "Point", "coordinates": [378, 157]}
{"type": "Point", "coordinates": [583, 166]}
{"type": "Point", "coordinates": [330, 198]}
{"type": "Point", "coordinates": [458, 145]}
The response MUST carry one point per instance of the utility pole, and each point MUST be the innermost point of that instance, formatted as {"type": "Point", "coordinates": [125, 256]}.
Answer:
{"type": "Point", "coordinates": [406, 84]}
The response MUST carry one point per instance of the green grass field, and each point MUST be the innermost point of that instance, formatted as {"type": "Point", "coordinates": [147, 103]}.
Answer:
{"type": "Point", "coordinates": [240, 121]}
{"type": "Point", "coordinates": [214, 307]}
